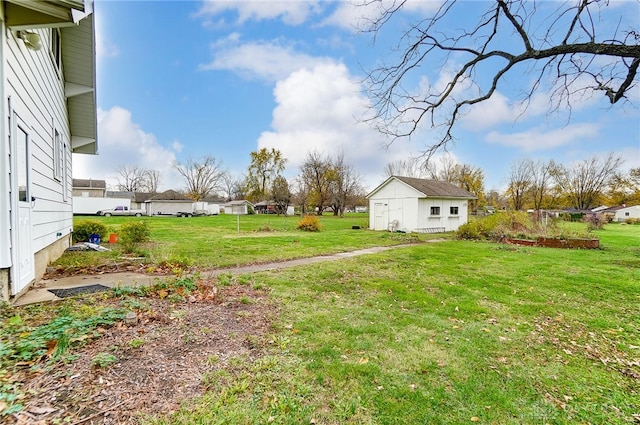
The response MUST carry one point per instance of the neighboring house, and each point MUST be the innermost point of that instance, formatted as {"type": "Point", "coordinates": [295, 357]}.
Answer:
{"type": "Point", "coordinates": [48, 112]}
{"type": "Point", "coordinates": [88, 188]}
{"type": "Point", "coordinates": [169, 202]}
{"type": "Point", "coordinates": [237, 207]}
{"type": "Point", "coordinates": [271, 207]}
{"type": "Point", "coordinates": [626, 213]}
{"type": "Point", "coordinates": [418, 205]}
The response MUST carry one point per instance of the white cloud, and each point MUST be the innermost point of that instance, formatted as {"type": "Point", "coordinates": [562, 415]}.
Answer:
{"type": "Point", "coordinates": [358, 14]}
{"type": "Point", "coordinates": [122, 142]}
{"type": "Point", "coordinates": [262, 60]}
{"type": "Point", "coordinates": [291, 12]}
{"type": "Point", "coordinates": [538, 139]}
{"type": "Point", "coordinates": [317, 109]}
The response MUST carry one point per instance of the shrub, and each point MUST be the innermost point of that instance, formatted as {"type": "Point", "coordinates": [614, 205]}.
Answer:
{"type": "Point", "coordinates": [470, 230]}
{"type": "Point", "coordinates": [595, 221]}
{"type": "Point", "coordinates": [83, 229]}
{"type": "Point", "coordinates": [309, 223]}
{"type": "Point", "coordinates": [132, 234]}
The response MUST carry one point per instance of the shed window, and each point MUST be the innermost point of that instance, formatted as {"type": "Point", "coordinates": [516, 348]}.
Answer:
{"type": "Point", "coordinates": [626, 214]}
{"type": "Point", "coordinates": [435, 210]}
{"type": "Point", "coordinates": [453, 210]}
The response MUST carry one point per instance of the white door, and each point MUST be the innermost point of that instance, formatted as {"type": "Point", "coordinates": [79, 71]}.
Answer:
{"type": "Point", "coordinates": [23, 270]}
{"type": "Point", "coordinates": [378, 212]}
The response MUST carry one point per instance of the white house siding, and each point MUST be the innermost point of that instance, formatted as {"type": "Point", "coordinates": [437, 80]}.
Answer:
{"type": "Point", "coordinates": [628, 212]}
{"type": "Point", "coordinates": [32, 88]}
{"type": "Point", "coordinates": [449, 221]}
{"type": "Point", "coordinates": [395, 201]}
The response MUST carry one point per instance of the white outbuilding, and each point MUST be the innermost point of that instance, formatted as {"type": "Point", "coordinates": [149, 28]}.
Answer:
{"type": "Point", "coordinates": [627, 213]}
{"type": "Point", "coordinates": [418, 205]}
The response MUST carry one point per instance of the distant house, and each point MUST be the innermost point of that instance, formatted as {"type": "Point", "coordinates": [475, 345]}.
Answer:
{"type": "Point", "coordinates": [169, 202]}
{"type": "Point", "coordinates": [418, 205]}
{"type": "Point", "coordinates": [626, 213]}
{"type": "Point", "coordinates": [271, 207]}
{"type": "Point", "coordinates": [48, 112]}
{"type": "Point", "coordinates": [238, 207]}
{"type": "Point", "coordinates": [88, 188]}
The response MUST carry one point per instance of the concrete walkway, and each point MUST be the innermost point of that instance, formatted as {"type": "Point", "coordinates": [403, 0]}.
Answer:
{"type": "Point", "coordinates": [40, 291]}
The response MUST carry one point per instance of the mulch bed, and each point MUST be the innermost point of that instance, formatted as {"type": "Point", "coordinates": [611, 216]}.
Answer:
{"type": "Point", "coordinates": [179, 341]}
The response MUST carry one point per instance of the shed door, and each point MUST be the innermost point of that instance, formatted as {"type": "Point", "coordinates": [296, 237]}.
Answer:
{"type": "Point", "coordinates": [378, 213]}
{"type": "Point", "coordinates": [23, 270]}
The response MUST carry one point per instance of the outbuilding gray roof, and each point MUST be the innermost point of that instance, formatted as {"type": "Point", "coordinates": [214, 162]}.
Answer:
{"type": "Point", "coordinates": [431, 188]}
{"type": "Point", "coordinates": [169, 195]}
{"type": "Point", "coordinates": [89, 184]}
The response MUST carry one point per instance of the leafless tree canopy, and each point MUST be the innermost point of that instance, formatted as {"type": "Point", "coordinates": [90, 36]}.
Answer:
{"type": "Point", "coordinates": [135, 179]}
{"type": "Point", "coordinates": [568, 43]}
{"type": "Point", "coordinates": [201, 176]}
{"type": "Point", "coordinates": [585, 181]}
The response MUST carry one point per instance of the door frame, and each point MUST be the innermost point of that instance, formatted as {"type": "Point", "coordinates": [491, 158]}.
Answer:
{"type": "Point", "coordinates": [22, 271]}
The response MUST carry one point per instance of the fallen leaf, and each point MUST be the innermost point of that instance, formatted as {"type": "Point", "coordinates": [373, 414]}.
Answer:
{"type": "Point", "coordinates": [364, 360]}
{"type": "Point", "coordinates": [51, 347]}
{"type": "Point", "coordinates": [162, 293]}
{"type": "Point", "coordinates": [475, 419]}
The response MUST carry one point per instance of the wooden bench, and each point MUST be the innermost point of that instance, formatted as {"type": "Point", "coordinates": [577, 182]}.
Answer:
{"type": "Point", "coordinates": [429, 230]}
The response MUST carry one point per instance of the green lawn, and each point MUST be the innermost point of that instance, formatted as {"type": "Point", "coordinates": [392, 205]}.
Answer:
{"type": "Point", "coordinates": [448, 333]}
{"type": "Point", "coordinates": [228, 240]}
{"type": "Point", "coordinates": [453, 332]}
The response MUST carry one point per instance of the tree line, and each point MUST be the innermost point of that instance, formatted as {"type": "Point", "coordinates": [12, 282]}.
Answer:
{"type": "Point", "coordinates": [329, 182]}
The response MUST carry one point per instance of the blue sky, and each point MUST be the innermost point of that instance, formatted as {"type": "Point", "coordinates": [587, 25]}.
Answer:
{"type": "Point", "coordinates": [180, 79]}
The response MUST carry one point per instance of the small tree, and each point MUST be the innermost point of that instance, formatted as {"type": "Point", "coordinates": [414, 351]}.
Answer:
{"type": "Point", "coordinates": [281, 195]}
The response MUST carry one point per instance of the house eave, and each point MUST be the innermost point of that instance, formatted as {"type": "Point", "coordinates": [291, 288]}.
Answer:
{"type": "Point", "coordinates": [78, 58]}
{"type": "Point", "coordinates": [31, 14]}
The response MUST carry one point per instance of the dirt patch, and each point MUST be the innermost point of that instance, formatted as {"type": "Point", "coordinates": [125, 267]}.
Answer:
{"type": "Point", "coordinates": [157, 362]}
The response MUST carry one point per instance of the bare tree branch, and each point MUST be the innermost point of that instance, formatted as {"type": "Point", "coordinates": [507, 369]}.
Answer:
{"type": "Point", "coordinates": [562, 46]}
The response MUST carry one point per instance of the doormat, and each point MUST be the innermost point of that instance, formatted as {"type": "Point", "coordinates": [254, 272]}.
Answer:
{"type": "Point", "coordinates": [69, 292]}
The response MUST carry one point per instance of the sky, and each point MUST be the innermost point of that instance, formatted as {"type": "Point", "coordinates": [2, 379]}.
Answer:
{"type": "Point", "coordinates": [179, 80]}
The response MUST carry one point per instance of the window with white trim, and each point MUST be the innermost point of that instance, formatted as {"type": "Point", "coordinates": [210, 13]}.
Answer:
{"type": "Point", "coordinates": [435, 210]}
{"type": "Point", "coordinates": [453, 210]}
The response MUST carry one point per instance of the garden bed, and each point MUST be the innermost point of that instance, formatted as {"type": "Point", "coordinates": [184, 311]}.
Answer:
{"type": "Point", "coordinates": [555, 242]}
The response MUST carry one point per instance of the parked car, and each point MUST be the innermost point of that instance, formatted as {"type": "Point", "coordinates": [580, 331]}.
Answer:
{"type": "Point", "coordinates": [121, 210]}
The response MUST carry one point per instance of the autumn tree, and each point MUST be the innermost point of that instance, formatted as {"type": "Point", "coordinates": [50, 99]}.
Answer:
{"type": "Point", "coordinates": [266, 165]}
{"type": "Point", "coordinates": [584, 182]}
{"type": "Point", "coordinates": [624, 188]}
{"type": "Point", "coordinates": [281, 195]}
{"type": "Point", "coordinates": [466, 176]}
{"type": "Point", "coordinates": [570, 49]}
{"type": "Point", "coordinates": [201, 177]}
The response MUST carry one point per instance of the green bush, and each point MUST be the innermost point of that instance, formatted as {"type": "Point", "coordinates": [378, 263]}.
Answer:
{"type": "Point", "coordinates": [309, 223]}
{"type": "Point", "coordinates": [83, 229]}
{"type": "Point", "coordinates": [132, 234]}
